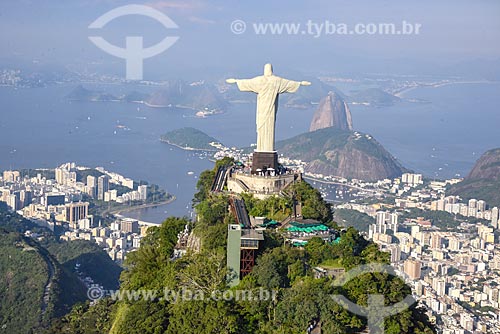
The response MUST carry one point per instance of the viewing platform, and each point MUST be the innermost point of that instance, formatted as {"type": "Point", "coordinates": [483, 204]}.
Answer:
{"type": "Point", "coordinates": [263, 184]}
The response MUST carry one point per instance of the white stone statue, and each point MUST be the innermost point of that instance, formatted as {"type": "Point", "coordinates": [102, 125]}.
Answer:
{"type": "Point", "coordinates": [267, 87]}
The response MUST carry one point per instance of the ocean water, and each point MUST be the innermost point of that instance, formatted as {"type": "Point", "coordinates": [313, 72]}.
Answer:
{"type": "Point", "coordinates": [442, 138]}
{"type": "Point", "coordinates": [39, 128]}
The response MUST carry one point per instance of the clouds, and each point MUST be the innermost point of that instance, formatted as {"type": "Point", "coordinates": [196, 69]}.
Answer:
{"type": "Point", "coordinates": [201, 20]}
{"type": "Point", "coordinates": [193, 10]}
{"type": "Point", "coordinates": [190, 6]}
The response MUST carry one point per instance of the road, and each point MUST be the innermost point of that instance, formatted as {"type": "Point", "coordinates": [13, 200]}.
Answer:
{"type": "Point", "coordinates": [341, 184]}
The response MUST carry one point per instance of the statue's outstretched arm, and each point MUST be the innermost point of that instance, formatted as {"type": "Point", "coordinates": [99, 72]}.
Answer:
{"type": "Point", "coordinates": [246, 85]}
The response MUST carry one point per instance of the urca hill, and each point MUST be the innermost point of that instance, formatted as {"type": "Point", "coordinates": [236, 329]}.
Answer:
{"type": "Point", "coordinates": [483, 181]}
{"type": "Point", "coordinates": [342, 153]}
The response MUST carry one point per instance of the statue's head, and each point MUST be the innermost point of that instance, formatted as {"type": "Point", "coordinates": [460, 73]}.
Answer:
{"type": "Point", "coordinates": [268, 70]}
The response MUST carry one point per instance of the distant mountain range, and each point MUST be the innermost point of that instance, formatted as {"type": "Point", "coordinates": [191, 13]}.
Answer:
{"type": "Point", "coordinates": [195, 96]}
{"type": "Point", "coordinates": [209, 99]}
{"type": "Point", "coordinates": [81, 93]}
{"type": "Point", "coordinates": [483, 182]}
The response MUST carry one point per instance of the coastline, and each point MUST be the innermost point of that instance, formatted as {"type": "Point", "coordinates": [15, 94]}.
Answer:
{"type": "Point", "coordinates": [187, 148]}
{"type": "Point", "coordinates": [404, 91]}
{"type": "Point", "coordinates": [147, 104]}
{"type": "Point", "coordinates": [143, 206]}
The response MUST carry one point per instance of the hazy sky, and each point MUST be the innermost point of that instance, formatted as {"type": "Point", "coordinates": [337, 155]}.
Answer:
{"type": "Point", "coordinates": [452, 31]}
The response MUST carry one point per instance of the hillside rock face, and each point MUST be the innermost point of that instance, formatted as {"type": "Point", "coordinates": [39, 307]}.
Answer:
{"type": "Point", "coordinates": [332, 112]}
{"type": "Point", "coordinates": [487, 167]}
{"type": "Point", "coordinates": [342, 153]}
{"type": "Point", "coordinates": [483, 181]}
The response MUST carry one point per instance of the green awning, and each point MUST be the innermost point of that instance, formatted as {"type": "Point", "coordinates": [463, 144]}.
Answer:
{"type": "Point", "coordinates": [307, 228]}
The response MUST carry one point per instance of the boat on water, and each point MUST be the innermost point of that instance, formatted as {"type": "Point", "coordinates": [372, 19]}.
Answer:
{"type": "Point", "coordinates": [190, 173]}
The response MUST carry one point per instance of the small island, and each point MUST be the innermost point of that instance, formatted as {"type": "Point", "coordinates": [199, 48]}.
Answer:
{"type": "Point", "coordinates": [83, 94]}
{"type": "Point", "coordinates": [190, 139]}
{"type": "Point", "coordinates": [374, 96]}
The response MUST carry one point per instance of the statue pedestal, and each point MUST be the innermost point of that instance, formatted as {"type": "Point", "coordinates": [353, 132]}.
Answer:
{"type": "Point", "coordinates": [264, 160]}
{"type": "Point", "coordinates": [261, 187]}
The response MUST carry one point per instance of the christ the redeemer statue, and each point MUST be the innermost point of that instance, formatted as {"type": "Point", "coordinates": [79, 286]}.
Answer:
{"type": "Point", "coordinates": [267, 87]}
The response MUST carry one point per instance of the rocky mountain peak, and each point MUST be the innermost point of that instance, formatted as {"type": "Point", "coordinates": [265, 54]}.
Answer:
{"type": "Point", "coordinates": [332, 112]}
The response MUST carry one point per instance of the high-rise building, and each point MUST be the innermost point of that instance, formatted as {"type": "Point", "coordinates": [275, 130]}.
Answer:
{"type": "Point", "coordinates": [413, 268]}
{"type": "Point", "coordinates": [395, 254]}
{"type": "Point", "coordinates": [91, 181]}
{"type": "Point", "coordinates": [439, 285]}
{"type": "Point", "coordinates": [481, 205]}
{"type": "Point", "coordinates": [414, 230]}
{"type": "Point", "coordinates": [412, 179]}
{"type": "Point", "coordinates": [76, 211]}
{"type": "Point", "coordinates": [454, 244]}
{"type": "Point", "coordinates": [440, 204]}
{"type": "Point", "coordinates": [60, 175]}
{"type": "Point", "coordinates": [12, 202]}
{"type": "Point", "coordinates": [129, 226]}
{"type": "Point", "coordinates": [436, 241]}
{"type": "Point", "coordinates": [464, 209]}
{"type": "Point", "coordinates": [472, 212]}
{"type": "Point", "coordinates": [452, 208]}
{"type": "Point", "coordinates": [102, 186]}
{"type": "Point", "coordinates": [393, 218]}
{"type": "Point", "coordinates": [54, 199]}
{"type": "Point", "coordinates": [25, 198]}
{"type": "Point", "coordinates": [11, 176]}
{"type": "Point", "coordinates": [143, 190]}
{"type": "Point", "coordinates": [381, 217]}
{"type": "Point", "coordinates": [494, 217]}
{"type": "Point", "coordinates": [91, 186]}
{"type": "Point", "coordinates": [466, 322]}
{"type": "Point", "coordinates": [129, 183]}
{"type": "Point", "coordinates": [71, 178]}
{"type": "Point", "coordinates": [451, 199]}
{"type": "Point", "coordinates": [486, 233]}
{"type": "Point", "coordinates": [473, 203]}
